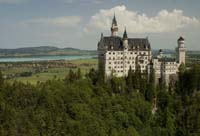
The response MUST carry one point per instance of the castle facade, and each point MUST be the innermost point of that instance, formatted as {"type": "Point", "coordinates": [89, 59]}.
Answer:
{"type": "Point", "coordinates": [116, 55]}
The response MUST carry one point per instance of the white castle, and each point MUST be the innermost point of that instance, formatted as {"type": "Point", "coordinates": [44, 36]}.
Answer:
{"type": "Point", "coordinates": [118, 54]}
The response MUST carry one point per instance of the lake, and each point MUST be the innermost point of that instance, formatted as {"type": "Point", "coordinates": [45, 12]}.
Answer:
{"type": "Point", "coordinates": [45, 58]}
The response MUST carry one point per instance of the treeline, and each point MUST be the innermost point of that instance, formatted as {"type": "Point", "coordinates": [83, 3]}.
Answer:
{"type": "Point", "coordinates": [87, 106]}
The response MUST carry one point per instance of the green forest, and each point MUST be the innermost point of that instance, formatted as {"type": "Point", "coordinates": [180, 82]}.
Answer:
{"type": "Point", "coordinates": [86, 105]}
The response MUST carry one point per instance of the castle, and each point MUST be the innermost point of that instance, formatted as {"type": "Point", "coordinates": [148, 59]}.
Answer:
{"type": "Point", "coordinates": [118, 54]}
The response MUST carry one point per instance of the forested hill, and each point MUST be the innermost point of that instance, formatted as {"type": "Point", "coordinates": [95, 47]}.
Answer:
{"type": "Point", "coordinates": [44, 51]}
{"type": "Point", "coordinates": [88, 106]}
{"type": "Point", "coordinates": [52, 51]}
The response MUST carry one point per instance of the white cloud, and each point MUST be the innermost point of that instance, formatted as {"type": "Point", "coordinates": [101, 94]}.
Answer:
{"type": "Point", "coordinates": [135, 22]}
{"type": "Point", "coordinates": [66, 21]}
{"type": "Point", "coordinates": [12, 1]}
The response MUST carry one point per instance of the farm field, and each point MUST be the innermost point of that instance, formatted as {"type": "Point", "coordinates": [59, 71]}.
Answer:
{"type": "Point", "coordinates": [41, 71]}
{"type": "Point", "coordinates": [34, 72]}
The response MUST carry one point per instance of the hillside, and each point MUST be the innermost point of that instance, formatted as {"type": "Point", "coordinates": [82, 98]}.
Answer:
{"type": "Point", "coordinates": [85, 105]}
{"type": "Point", "coordinates": [53, 51]}
{"type": "Point", "coordinates": [43, 51]}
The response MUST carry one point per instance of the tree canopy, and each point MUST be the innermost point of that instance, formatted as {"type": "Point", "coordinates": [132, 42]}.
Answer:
{"type": "Point", "coordinates": [87, 106]}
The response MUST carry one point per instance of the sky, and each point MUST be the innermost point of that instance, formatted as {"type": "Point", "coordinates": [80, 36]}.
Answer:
{"type": "Point", "coordinates": [79, 23]}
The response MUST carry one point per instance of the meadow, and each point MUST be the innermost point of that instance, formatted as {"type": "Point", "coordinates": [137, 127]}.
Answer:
{"type": "Point", "coordinates": [41, 73]}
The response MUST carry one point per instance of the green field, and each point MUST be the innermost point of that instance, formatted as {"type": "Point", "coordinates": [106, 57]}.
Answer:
{"type": "Point", "coordinates": [61, 70]}
{"type": "Point", "coordinates": [57, 72]}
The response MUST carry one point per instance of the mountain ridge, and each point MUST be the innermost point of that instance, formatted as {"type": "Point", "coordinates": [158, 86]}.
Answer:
{"type": "Point", "coordinates": [44, 51]}
{"type": "Point", "coordinates": [53, 51]}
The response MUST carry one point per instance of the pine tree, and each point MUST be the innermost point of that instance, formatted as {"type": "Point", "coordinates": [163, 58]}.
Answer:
{"type": "Point", "coordinates": [151, 87]}
{"type": "Point", "coordinates": [93, 76]}
{"type": "Point", "coordinates": [79, 75]}
{"type": "Point", "coordinates": [129, 80]}
{"type": "Point", "coordinates": [71, 77]}
{"type": "Point", "coordinates": [1, 79]}
{"type": "Point", "coordinates": [137, 78]}
{"type": "Point", "coordinates": [181, 68]}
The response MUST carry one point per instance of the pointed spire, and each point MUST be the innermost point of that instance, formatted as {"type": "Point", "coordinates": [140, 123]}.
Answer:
{"type": "Point", "coordinates": [181, 38]}
{"type": "Point", "coordinates": [114, 21]}
{"type": "Point", "coordinates": [125, 36]}
{"type": "Point", "coordinates": [101, 36]}
{"type": "Point", "coordinates": [114, 27]}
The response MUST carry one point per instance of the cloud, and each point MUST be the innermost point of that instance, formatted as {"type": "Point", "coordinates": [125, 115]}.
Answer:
{"type": "Point", "coordinates": [135, 22]}
{"type": "Point", "coordinates": [12, 1]}
{"type": "Point", "coordinates": [66, 21]}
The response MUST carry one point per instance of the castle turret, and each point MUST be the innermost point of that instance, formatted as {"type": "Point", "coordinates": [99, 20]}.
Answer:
{"type": "Point", "coordinates": [181, 50]}
{"type": "Point", "coordinates": [160, 53]}
{"type": "Point", "coordinates": [114, 27]}
{"type": "Point", "coordinates": [125, 40]}
{"type": "Point", "coordinates": [101, 36]}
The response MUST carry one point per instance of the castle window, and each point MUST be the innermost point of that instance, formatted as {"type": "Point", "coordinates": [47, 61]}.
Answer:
{"type": "Point", "coordinates": [109, 52]}
{"type": "Point", "coordinates": [113, 53]}
{"type": "Point", "coordinates": [109, 62]}
{"type": "Point", "coordinates": [131, 52]}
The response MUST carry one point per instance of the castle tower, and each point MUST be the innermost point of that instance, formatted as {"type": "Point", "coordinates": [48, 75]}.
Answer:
{"type": "Point", "coordinates": [181, 50]}
{"type": "Point", "coordinates": [160, 55]}
{"type": "Point", "coordinates": [125, 52]}
{"type": "Point", "coordinates": [125, 40]}
{"type": "Point", "coordinates": [114, 27]}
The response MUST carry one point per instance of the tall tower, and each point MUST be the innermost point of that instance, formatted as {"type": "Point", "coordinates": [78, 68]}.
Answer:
{"type": "Point", "coordinates": [125, 40]}
{"type": "Point", "coordinates": [114, 27]}
{"type": "Point", "coordinates": [125, 53]}
{"type": "Point", "coordinates": [181, 50]}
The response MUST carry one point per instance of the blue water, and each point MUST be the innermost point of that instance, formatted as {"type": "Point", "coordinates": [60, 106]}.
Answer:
{"type": "Point", "coordinates": [44, 58]}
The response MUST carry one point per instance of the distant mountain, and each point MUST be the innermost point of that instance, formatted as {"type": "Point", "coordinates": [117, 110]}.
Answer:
{"type": "Point", "coordinates": [53, 51]}
{"type": "Point", "coordinates": [43, 51]}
